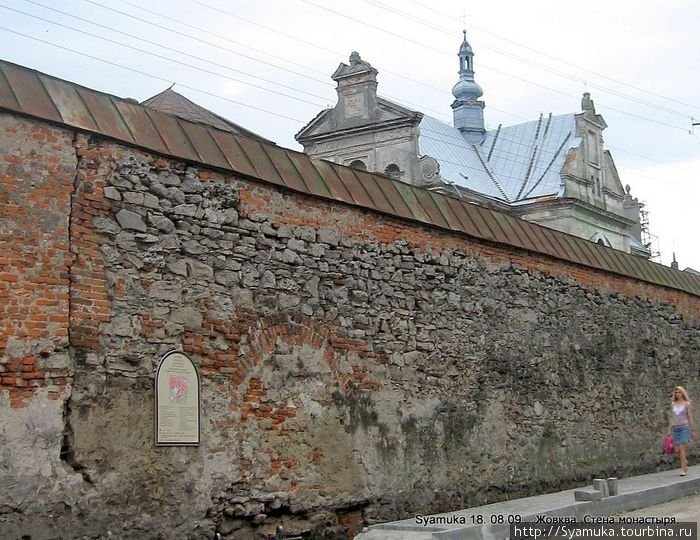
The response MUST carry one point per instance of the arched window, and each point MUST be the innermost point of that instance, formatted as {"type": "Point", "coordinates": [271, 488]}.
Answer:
{"type": "Point", "coordinates": [358, 164]}
{"type": "Point", "coordinates": [393, 170]}
{"type": "Point", "coordinates": [601, 239]}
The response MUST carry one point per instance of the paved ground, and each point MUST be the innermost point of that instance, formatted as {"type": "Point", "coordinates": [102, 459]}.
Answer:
{"type": "Point", "coordinates": [686, 509]}
{"type": "Point", "coordinates": [662, 493]}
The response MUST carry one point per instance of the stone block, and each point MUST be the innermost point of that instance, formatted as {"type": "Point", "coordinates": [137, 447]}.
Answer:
{"type": "Point", "coordinates": [131, 220]}
{"type": "Point", "coordinates": [601, 485]}
{"type": "Point", "coordinates": [612, 486]}
{"type": "Point", "coordinates": [587, 495]}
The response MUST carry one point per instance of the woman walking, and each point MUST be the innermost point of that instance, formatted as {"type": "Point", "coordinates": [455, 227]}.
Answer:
{"type": "Point", "coordinates": [681, 425]}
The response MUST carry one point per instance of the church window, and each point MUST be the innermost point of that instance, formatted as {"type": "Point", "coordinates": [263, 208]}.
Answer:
{"type": "Point", "coordinates": [592, 144]}
{"type": "Point", "coordinates": [393, 170]}
{"type": "Point", "coordinates": [358, 164]}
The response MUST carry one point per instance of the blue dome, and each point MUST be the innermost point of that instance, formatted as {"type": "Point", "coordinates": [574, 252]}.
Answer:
{"type": "Point", "coordinates": [465, 90]}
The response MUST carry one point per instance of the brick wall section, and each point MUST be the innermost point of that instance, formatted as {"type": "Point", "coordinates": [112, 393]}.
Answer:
{"type": "Point", "coordinates": [37, 165]}
{"type": "Point", "coordinates": [90, 301]}
{"type": "Point", "coordinates": [351, 363]}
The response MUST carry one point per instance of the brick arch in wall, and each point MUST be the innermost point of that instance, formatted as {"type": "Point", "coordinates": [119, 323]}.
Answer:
{"type": "Point", "coordinates": [285, 343]}
{"type": "Point", "coordinates": [251, 341]}
{"type": "Point", "coordinates": [295, 371]}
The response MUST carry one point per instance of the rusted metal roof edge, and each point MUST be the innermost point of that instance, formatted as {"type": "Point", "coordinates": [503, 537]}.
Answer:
{"type": "Point", "coordinates": [668, 277]}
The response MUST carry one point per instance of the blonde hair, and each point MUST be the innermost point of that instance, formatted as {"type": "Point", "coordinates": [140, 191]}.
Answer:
{"type": "Point", "coordinates": [683, 392]}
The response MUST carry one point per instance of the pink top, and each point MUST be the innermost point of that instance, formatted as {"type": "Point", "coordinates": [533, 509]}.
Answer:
{"type": "Point", "coordinates": [679, 415]}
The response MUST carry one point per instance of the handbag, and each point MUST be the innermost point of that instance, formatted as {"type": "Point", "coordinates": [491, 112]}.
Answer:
{"type": "Point", "coordinates": [668, 444]}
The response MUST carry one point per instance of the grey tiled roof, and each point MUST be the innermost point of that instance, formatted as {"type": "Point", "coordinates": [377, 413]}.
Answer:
{"type": "Point", "coordinates": [512, 164]}
{"type": "Point", "coordinates": [169, 101]}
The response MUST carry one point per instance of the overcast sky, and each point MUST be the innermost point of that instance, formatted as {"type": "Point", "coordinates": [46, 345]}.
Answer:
{"type": "Point", "coordinates": [266, 64]}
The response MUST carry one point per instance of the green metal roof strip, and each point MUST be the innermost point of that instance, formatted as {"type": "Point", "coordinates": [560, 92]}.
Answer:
{"type": "Point", "coordinates": [285, 168]}
{"type": "Point", "coordinates": [391, 192]}
{"type": "Point", "coordinates": [446, 216]}
{"type": "Point", "coordinates": [426, 201]}
{"type": "Point", "coordinates": [69, 104]}
{"type": "Point", "coordinates": [234, 153]}
{"type": "Point", "coordinates": [204, 144]}
{"type": "Point", "coordinates": [379, 200]}
{"type": "Point", "coordinates": [656, 275]}
{"type": "Point", "coordinates": [463, 212]}
{"type": "Point", "coordinates": [508, 228]}
{"type": "Point", "coordinates": [566, 251]}
{"type": "Point", "coordinates": [650, 273]}
{"type": "Point", "coordinates": [557, 250]}
{"type": "Point", "coordinates": [354, 187]}
{"type": "Point", "coordinates": [603, 254]}
{"type": "Point", "coordinates": [109, 121]}
{"type": "Point", "coordinates": [34, 94]}
{"type": "Point", "coordinates": [679, 277]}
{"type": "Point", "coordinates": [542, 241]}
{"type": "Point", "coordinates": [653, 274]}
{"type": "Point", "coordinates": [592, 251]}
{"type": "Point", "coordinates": [306, 167]}
{"type": "Point", "coordinates": [528, 241]}
{"type": "Point", "coordinates": [447, 212]}
{"type": "Point", "coordinates": [333, 183]}
{"type": "Point", "coordinates": [672, 277]}
{"type": "Point", "coordinates": [622, 266]}
{"type": "Point", "coordinates": [140, 126]}
{"type": "Point", "coordinates": [490, 223]}
{"type": "Point", "coordinates": [173, 135]}
{"type": "Point", "coordinates": [685, 278]}
{"type": "Point", "coordinates": [7, 96]}
{"type": "Point", "coordinates": [574, 245]}
{"type": "Point", "coordinates": [659, 273]}
{"type": "Point", "coordinates": [260, 160]}
{"type": "Point", "coordinates": [31, 95]}
{"type": "Point", "coordinates": [575, 250]}
{"type": "Point", "coordinates": [639, 269]}
{"type": "Point", "coordinates": [413, 204]}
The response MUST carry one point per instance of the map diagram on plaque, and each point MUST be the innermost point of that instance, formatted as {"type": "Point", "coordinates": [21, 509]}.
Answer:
{"type": "Point", "coordinates": [178, 388]}
{"type": "Point", "coordinates": [177, 401]}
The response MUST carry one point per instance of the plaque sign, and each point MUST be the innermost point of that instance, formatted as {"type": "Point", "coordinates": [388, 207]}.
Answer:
{"type": "Point", "coordinates": [354, 105]}
{"type": "Point", "coordinates": [177, 401]}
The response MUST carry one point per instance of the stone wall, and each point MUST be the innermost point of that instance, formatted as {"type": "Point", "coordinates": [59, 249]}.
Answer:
{"type": "Point", "coordinates": [355, 367]}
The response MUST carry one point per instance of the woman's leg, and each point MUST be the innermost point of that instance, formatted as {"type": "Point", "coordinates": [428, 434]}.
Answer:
{"type": "Point", "coordinates": [684, 458]}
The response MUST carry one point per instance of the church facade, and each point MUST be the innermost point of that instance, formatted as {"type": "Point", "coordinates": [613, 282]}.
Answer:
{"type": "Point", "coordinates": [554, 171]}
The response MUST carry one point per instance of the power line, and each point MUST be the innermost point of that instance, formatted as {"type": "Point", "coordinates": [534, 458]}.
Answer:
{"type": "Point", "coordinates": [174, 61]}
{"type": "Point", "coordinates": [136, 37]}
{"type": "Point", "coordinates": [306, 42]}
{"type": "Point", "coordinates": [208, 43]}
{"type": "Point", "coordinates": [383, 30]}
{"type": "Point", "coordinates": [139, 38]}
{"type": "Point", "coordinates": [557, 72]}
{"type": "Point", "coordinates": [259, 109]}
{"type": "Point", "coordinates": [153, 76]}
{"type": "Point", "coordinates": [205, 31]}
{"type": "Point", "coordinates": [446, 16]}
{"type": "Point", "coordinates": [651, 159]}
{"type": "Point", "coordinates": [197, 39]}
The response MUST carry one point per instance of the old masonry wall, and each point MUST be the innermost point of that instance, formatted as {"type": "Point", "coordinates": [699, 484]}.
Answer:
{"type": "Point", "coordinates": [355, 367]}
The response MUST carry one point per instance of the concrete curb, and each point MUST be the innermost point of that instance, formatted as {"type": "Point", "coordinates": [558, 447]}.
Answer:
{"type": "Point", "coordinates": [634, 493]}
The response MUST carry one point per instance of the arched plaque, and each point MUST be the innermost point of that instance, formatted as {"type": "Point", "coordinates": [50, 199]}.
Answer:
{"type": "Point", "coordinates": [177, 401]}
